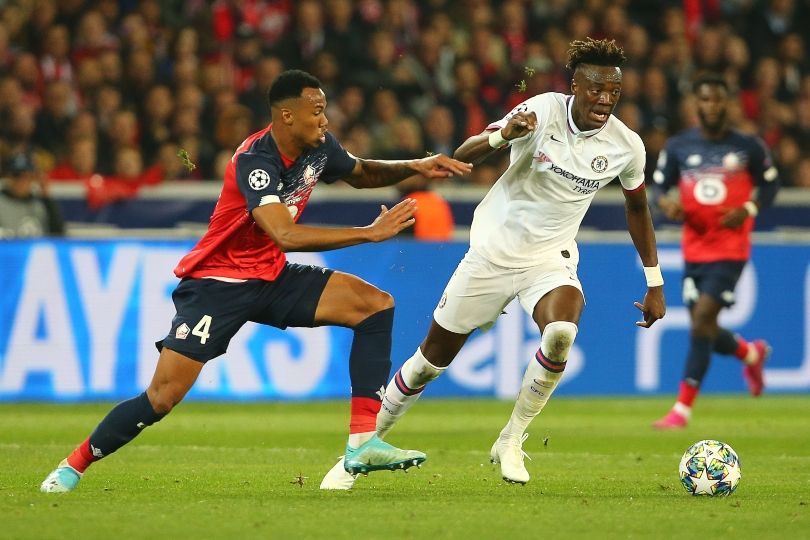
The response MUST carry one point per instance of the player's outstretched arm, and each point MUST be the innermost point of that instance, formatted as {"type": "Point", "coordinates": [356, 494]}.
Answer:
{"type": "Point", "coordinates": [639, 224]}
{"type": "Point", "coordinates": [275, 220]}
{"type": "Point", "coordinates": [479, 147]}
{"type": "Point", "coordinates": [371, 173]}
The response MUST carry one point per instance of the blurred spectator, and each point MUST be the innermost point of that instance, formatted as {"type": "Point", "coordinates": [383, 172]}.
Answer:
{"type": "Point", "coordinates": [255, 96]}
{"type": "Point", "coordinates": [184, 65]}
{"type": "Point", "coordinates": [80, 163]}
{"type": "Point", "coordinates": [54, 63]}
{"type": "Point", "coordinates": [801, 174]}
{"type": "Point", "coordinates": [26, 210]}
{"type": "Point", "coordinates": [470, 112]}
{"type": "Point", "coordinates": [434, 218]}
{"type": "Point", "coordinates": [439, 135]}
{"type": "Point", "coordinates": [158, 108]}
{"type": "Point", "coordinates": [53, 120]}
{"type": "Point", "coordinates": [93, 37]}
{"type": "Point", "coordinates": [344, 33]}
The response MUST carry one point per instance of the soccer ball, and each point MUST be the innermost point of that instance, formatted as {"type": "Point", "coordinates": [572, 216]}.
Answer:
{"type": "Point", "coordinates": [710, 468]}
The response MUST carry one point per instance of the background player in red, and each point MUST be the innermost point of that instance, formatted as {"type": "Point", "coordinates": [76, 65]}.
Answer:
{"type": "Point", "coordinates": [717, 170]}
{"type": "Point", "coordinates": [238, 273]}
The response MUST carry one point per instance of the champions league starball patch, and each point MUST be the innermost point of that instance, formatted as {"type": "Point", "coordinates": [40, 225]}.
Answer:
{"type": "Point", "coordinates": [599, 164]}
{"type": "Point", "coordinates": [258, 179]}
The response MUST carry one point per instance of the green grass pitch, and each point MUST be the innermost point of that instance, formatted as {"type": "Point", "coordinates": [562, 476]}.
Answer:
{"type": "Point", "coordinates": [231, 471]}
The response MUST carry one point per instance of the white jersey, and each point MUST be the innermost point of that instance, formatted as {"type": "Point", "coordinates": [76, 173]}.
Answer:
{"type": "Point", "coordinates": [536, 206]}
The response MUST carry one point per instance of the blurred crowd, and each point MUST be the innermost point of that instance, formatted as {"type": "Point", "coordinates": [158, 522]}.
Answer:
{"type": "Point", "coordinates": [108, 92]}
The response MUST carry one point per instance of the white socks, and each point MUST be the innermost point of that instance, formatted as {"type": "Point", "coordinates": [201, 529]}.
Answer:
{"type": "Point", "coordinates": [404, 389]}
{"type": "Point", "coordinates": [682, 409]}
{"type": "Point", "coordinates": [541, 377]}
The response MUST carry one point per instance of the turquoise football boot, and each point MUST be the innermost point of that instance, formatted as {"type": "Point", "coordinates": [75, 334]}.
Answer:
{"type": "Point", "coordinates": [377, 455]}
{"type": "Point", "coordinates": [63, 479]}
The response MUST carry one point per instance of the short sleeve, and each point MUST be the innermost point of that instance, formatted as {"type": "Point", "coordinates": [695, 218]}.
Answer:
{"type": "Point", "coordinates": [666, 172]}
{"type": "Point", "coordinates": [339, 162]}
{"type": "Point", "coordinates": [258, 178]}
{"type": "Point", "coordinates": [539, 105]}
{"type": "Point", "coordinates": [632, 177]}
{"type": "Point", "coordinates": [760, 164]}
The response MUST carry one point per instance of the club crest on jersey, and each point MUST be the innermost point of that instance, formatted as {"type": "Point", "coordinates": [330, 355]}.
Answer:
{"type": "Point", "coordinates": [182, 331]}
{"type": "Point", "coordinates": [258, 179]}
{"type": "Point", "coordinates": [599, 164]}
{"type": "Point", "coordinates": [309, 174]}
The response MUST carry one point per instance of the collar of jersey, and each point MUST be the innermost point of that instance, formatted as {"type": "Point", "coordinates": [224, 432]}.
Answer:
{"type": "Point", "coordinates": [573, 127]}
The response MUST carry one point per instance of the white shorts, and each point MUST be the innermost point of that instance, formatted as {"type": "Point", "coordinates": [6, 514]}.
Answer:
{"type": "Point", "coordinates": [479, 290]}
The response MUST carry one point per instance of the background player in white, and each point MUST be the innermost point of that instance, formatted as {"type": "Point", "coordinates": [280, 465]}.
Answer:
{"type": "Point", "coordinates": [563, 149]}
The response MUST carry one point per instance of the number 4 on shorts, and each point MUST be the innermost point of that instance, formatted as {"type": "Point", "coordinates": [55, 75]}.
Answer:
{"type": "Point", "coordinates": [202, 328]}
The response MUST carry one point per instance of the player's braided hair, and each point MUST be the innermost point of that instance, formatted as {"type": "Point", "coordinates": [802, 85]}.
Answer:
{"type": "Point", "coordinates": [290, 84]}
{"type": "Point", "coordinates": [600, 52]}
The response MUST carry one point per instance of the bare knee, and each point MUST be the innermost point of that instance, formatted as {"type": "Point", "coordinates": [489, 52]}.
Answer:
{"type": "Point", "coordinates": [374, 302]}
{"type": "Point", "coordinates": [441, 346]}
{"type": "Point", "coordinates": [163, 398]}
{"type": "Point", "coordinates": [704, 323]}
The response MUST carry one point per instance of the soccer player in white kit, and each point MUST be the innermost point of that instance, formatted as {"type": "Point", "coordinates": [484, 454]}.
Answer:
{"type": "Point", "coordinates": [562, 150]}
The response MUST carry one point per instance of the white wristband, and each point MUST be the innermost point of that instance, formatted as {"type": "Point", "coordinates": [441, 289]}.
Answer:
{"type": "Point", "coordinates": [752, 208]}
{"type": "Point", "coordinates": [653, 275]}
{"type": "Point", "coordinates": [496, 139]}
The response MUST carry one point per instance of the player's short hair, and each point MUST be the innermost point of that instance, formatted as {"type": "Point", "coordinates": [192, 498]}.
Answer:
{"type": "Point", "coordinates": [290, 84]}
{"type": "Point", "coordinates": [710, 79]}
{"type": "Point", "coordinates": [599, 52]}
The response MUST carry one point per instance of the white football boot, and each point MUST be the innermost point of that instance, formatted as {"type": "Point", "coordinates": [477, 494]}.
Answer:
{"type": "Point", "coordinates": [338, 477]}
{"type": "Point", "coordinates": [509, 453]}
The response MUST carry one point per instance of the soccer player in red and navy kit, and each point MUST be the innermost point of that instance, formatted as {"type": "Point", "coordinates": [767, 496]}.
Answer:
{"type": "Point", "coordinates": [724, 178]}
{"type": "Point", "coordinates": [238, 273]}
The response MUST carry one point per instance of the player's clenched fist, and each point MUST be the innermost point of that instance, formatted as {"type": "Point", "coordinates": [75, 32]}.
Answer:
{"type": "Point", "coordinates": [519, 125]}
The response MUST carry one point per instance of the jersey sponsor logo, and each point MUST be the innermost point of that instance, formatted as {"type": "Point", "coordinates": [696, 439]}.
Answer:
{"type": "Point", "coordinates": [182, 331]}
{"type": "Point", "coordinates": [599, 164]}
{"type": "Point", "coordinates": [710, 189]}
{"type": "Point", "coordinates": [258, 179]}
{"type": "Point", "coordinates": [581, 185]}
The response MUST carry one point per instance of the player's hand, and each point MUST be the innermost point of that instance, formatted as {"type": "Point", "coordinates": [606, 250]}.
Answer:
{"type": "Point", "coordinates": [440, 166]}
{"type": "Point", "coordinates": [733, 218]}
{"type": "Point", "coordinates": [390, 222]}
{"type": "Point", "coordinates": [653, 308]}
{"type": "Point", "coordinates": [671, 208]}
{"type": "Point", "coordinates": [519, 125]}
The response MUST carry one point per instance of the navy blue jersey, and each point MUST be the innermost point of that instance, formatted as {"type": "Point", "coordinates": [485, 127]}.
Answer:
{"type": "Point", "coordinates": [234, 245]}
{"type": "Point", "coordinates": [714, 176]}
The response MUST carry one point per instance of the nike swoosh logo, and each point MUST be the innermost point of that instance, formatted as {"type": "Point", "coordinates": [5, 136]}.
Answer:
{"type": "Point", "coordinates": [555, 140]}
